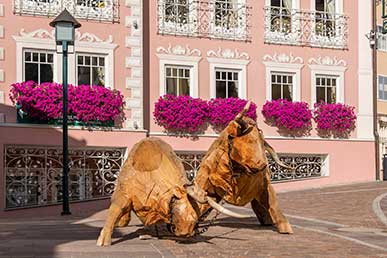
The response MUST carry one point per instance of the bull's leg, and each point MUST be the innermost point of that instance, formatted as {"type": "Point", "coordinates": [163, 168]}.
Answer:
{"type": "Point", "coordinates": [119, 204]}
{"type": "Point", "coordinates": [266, 208]}
{"type": "Point", "coordinates": [124, 220]}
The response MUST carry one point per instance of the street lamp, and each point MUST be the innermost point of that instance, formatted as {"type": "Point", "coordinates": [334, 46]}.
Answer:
{"type": "Point", "coordinates": [65, 25]}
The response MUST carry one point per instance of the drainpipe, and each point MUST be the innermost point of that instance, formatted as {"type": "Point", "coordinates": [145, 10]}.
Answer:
{"type": "Point", "coordinates": [375, 89]}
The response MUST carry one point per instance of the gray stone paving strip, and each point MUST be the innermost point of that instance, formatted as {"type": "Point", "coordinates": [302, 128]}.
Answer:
{"type": "Point", "coordinates": [354, 191]}
{"type": "Point", "coordinates": [378, 209]}
{"type": "Point", "coordinates": [342, 237]}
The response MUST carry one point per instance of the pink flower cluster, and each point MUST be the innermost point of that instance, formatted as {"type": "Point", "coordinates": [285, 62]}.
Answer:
{"type": "Point", "coordinates": [85, 103]}
{"type": "Point", "coordinates": [182, 114]}
{"type": "Point", "coordinates": [287, 114]}
{"type": "Point", "coordinates": [336, 118]}
{"type": "Point", "coordinates": [223, 110]}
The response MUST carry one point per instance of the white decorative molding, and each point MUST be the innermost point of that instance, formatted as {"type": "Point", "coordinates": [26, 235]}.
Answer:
{"type": "Point", "coordinates": [1, 31]}
{"type": "Point", "coordinates": [83, 37]}
{"type": "Point", "coordinates": [228, 54]}
{"type": "Point", "coordinates": [327, 61]}
{"type": "Point", "coordinates": [1, 10]}
{"type": "Point", "coordinates": [283, 58]}
{"type": "Point", "coordinates": [179, 50]}
{"type": "Point", "coordinates": [1, 53]}
{"type": "Point", "coordinates": [2, 97]}
{"type": "Point", "coordinates": [1, 75]}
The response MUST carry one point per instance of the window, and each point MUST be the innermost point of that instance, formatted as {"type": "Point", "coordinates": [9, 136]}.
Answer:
{"type": "Point", "coordinates": [325, 18]}
{"type": "Point", "coordinates": [382, 39]}
{"type": "Point", "coordinates": [90, 69]}
{"type": "Point", "coordinates": [326, 88]}
{"type": "Point", "coordinates": [282, 86]}
{"type": "Point", "coordinates": [382, 87]}
{"type": "Point", "coordinates": [38, 66]}
{"type": "Point", "coordinates": [227, 83]}
{"type": "Point", "coordinates": [176, 11]}
{"type": "Point", "coordinates": [229, 18]}
{"type": "Point", "coordinates": [226, 13]}
{"type": "Point", "coordinates": [281, 19]}
{"type": "Point", "coordinates": [177, 80]}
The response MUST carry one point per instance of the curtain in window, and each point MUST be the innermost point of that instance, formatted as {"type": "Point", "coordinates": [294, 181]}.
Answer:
{"type": "Point", "coordinates": [287, 4]}
{"type": "Point", "coordinates": [331, 6]}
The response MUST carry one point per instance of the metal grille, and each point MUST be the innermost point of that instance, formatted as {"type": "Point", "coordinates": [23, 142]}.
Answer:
{"type": "Point", "coordinates": [306, 28]}
{"type": "Point", "coordinates": [101, 10]}
{"type": "Point", "coordinates": [224, 19]}
{"type": "Point", "coordinates": [304, 165]}
{"type": "Point", "coordinates": [33, 174]}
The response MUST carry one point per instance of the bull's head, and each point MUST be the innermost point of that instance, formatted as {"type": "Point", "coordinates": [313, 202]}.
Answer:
{"type": "Point", "coordinates": [247, 145]}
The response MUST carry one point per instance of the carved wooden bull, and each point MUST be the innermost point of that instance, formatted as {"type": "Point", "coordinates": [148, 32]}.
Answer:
{"type": "Point", "coordinates": [152, 185]}
{"type": "Point", "coordinates": [235, 169]}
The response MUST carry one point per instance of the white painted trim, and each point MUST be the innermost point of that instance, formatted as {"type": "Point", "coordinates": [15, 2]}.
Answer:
{"type": "Point", "coordinates": [338, 71]}
{"type": "Point", "coordinates": [103, 48]}
{"type": "Point", "coordinates": [190, 61]}
{"type": "Point", "coordinates": [339, 5]}
{"type": "Point", "coordinates": [295, 4]}
{"type": "Point", "coordinates": [285, 68]}
{"type": "Point", "coordinates": [219, 63]}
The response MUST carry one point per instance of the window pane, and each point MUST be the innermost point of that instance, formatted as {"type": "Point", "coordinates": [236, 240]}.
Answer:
{"type": "Point", "coordinates": [183, 87]}
{"type": "Point", "coordinates": [290, 79]}
{"type": "Point", "coordinates": [229, 75]}
{"type": "Point", "coordinates": [320, 94]}
{"type": "Point", "coordinates": [233, 89]}
{"type": "Point", "coordinates": [102, 61]}
{"type": "Point", "coordinates": [168, 71]}
{"type": "Point", "coordinates": [87, 60]}
{"type": "Point", "coordinates": [95, 60]}
{"type": "Point", "coordinates": [276, 91]}
{"type": "Point", "coordinates": [235, 76]}
{"type": "Point", "coordinates": [98, 76]}
{"type": "Point", "coordinates": [334, 82]}
{"type": "Point", "coordinates": [279, 79]}
{"type": "Point", "coordinates": [83, 75]}
{"type": "Point", "coordinates": [27, 56]}
{"type": "Point", "coordinates": [31, 72]}
{"type": "Point", "coordinates": [287, 92]}
{"type": "Point", "coordinates": [50, 58]}
{"type": "Point", "coordinates": [273, 78]}
{"type": "Point", "coordinates": [217, 75]}
{"type": "Point", "coordinates": [42, 57]}
{"type": "Point", "coordinates": [331, 95]}
{"type": "Point", "coordinates": [35, 57]}
{"type": "Point", "coordinates": [80, 60]}
{"type": "Point", "coordinates": [46, 73]}
{"type": "Point", "coordinates": [174, 72]}
{"type": "Point", "coordinates": [221, 89]}
{"type": "Point", "coordinates": [187, 71]}
{"type": "Point", "coordinates": [171, 86]}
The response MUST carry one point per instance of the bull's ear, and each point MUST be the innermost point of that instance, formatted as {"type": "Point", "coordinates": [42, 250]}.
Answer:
{"type": "Point", "coordinates": [233, 129]}
{"type": "Point", "coordinates": [178, 192]}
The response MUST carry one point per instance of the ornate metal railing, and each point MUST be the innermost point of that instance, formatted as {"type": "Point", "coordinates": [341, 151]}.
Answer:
{"type": "Point", "coordinates": [33, 174]}
{"type": "Point", "coordinates": [223, 19]}
{"type": "Point", "coordinates": [307, 28]}
{"type": "Point", "coordinates": [303, 165]}
{"type": "Point", "coordinates": [101, 10]}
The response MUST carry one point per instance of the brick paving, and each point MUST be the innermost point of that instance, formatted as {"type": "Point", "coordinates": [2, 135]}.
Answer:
{"type": "Point", "coordinates": [329, 222]}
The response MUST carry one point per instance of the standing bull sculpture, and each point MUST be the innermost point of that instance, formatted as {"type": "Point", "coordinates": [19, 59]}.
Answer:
{"type": "Point", "coordinates": [152, 185]}
{"type": "Point", "coordinates": [235, 169]}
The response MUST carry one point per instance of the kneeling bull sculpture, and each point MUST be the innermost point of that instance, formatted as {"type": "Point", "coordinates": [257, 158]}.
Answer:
{"type": "Point", "coordinates": [151, 184]}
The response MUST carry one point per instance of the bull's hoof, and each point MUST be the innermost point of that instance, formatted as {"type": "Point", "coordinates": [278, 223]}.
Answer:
{"type": "Point", "coordinates": [104, 239]}
{"type": "Point", "coordinates": [284, 228]}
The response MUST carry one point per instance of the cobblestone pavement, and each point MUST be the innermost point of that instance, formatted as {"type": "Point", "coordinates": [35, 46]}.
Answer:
{"type": "Point", "coordinates": [331, 222]}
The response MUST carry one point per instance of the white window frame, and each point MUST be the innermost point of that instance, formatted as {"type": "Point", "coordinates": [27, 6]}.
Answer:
{"type": "Point", "coordinates": [337, 71]}
{"type": "Point", "coordinates": [189, 68]}
{"type": "Point", "coordinates": [381, 38]}
{"type": "Point", "coordinates": [176, 28]}
{"type": "Point", "coordinates": [91, 66]}
{"type": "Point", "coordinates": [38, 51]}
{"type": "Point", "coordinates": [100, 48]}
{"type": "Point", "coordinates": [227, 81]}
{"type": "Point", "coordinates": [218, 31]}
{"type": "Point", "coordinates": [284, 68]}
{"type": "Point", "coordinates": [232, 64]}
{"type": "Point", "coordinates": [379, 99]}
{"type": "Point", "coordinates": [293, 36]}
{"type": "Point", "coordinates": [188, 61]}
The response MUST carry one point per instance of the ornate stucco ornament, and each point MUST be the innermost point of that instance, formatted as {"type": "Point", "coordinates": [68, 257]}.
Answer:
{"type": "Point", "coordinates": [179, 50]}
{"type": "Point", "coordinates": [45, 34]}
{"type": "Point", "coordinates": [228, 54]}
{"type": "Point", "coordinates": [327, 61]}
{"type": "Point", "coordinates": [283, 58]}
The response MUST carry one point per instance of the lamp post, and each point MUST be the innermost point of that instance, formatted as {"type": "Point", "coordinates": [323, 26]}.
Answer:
{"type": "Point", "coordinates": [65, 25]}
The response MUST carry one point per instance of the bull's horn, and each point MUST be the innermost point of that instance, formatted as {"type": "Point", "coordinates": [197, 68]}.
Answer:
{"type": "Point", "coordinates": [225, 211]}
{"type": "Point", "coordinates": [244, 111]}
{"type": "Point", "coordinates": [275, 156]}
{"type": "Point", "coordinates": [191, 192]}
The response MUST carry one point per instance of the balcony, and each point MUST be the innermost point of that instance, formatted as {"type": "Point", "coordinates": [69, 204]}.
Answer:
{"type": "Point", "coordinates": [305, 28]}
{"type": "Point", "coordinates": [222, 19]}
{"type": "Point", "coordinates": [99, 10]}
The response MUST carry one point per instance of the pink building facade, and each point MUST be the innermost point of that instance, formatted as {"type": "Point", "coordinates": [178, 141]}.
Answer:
{"type": "Point", "coordinates": [257, 50]}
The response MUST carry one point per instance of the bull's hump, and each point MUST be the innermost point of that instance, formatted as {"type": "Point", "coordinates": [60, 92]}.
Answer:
{"type": "Point", "coordinates": [147, 156]}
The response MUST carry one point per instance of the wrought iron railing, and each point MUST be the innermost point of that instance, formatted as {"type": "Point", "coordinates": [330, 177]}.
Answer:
{"type": "Point", "coordinates": [308, 28]}
{"type": "Point", "coordinates": [303, 165]}
{"type": "Point", "coordinates": [223, 19]}
{"type": "Point", "coordinates": [33, 174]}
{"type": "Point", "coordinates": [101, 10]}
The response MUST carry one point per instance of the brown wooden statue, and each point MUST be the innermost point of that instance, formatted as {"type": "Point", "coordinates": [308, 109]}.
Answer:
{"type": "Point", "coordinates": [235, 169]}
{"type": "Point", "coordinates": [152, 185]}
